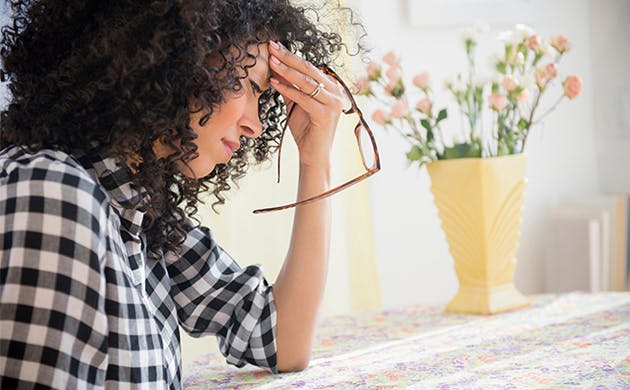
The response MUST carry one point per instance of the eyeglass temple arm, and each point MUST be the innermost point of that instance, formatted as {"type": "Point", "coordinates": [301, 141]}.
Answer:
{"type": "Point", "coordinates": [321, 196]}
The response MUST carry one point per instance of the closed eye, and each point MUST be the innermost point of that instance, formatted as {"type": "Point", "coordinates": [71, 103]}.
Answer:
{"type": "Point", "coordinates": [255, 87]}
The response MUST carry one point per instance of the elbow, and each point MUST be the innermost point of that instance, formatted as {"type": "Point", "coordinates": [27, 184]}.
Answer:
{"type": "Point", "coordinates": [294, 364]}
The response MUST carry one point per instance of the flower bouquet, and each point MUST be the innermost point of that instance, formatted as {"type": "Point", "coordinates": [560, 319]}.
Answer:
{"type": "Point", "coordinates": [477, 182]}
{"type": "Point", "coordinates": [526, 69]}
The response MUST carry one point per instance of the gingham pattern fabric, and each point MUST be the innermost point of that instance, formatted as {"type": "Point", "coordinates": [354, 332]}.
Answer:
{"type": "Point", "coordinates": [83, 305]}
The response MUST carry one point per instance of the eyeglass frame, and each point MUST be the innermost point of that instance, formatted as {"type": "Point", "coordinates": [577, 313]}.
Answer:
{"type": "Point", "coordinates": [354, 108]}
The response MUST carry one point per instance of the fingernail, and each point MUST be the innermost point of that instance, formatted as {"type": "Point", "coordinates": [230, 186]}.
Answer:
{"type": "Point", "coordinates": [274, 80]}
{"type": "Point", "coordinates": [281, 46]}
{"type": "Point", "coordinates": [275, 60]}
{"type": "Point", "coordinates": [274, 45]}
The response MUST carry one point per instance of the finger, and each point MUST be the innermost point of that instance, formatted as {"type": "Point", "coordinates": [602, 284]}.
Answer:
{"type": "Point", "coordinates": [303, 82]}
{"type": "Point", "coordinates": [291, 94]}
{"type": "Point", "coordinates": [300, 64]}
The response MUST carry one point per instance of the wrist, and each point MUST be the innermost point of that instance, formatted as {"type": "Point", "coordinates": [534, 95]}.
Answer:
{"type": "Point", "coordinates": [320, 169]}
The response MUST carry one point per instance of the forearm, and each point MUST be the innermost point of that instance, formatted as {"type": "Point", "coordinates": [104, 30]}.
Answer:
{"type": "Point", "coordinates": [299, 288]}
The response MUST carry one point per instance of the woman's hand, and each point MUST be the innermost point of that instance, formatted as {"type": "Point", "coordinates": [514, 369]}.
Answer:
{"type": "Point", "coordinates": [314, 118]}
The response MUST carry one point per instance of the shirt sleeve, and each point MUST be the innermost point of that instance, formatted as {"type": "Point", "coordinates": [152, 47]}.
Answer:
{"type": "Point", "coordinates": [53, 327]}
{"type": "Point", "coordinates": [214, 295]}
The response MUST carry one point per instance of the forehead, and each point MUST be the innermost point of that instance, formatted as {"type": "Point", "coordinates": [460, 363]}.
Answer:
{"type": "Point", "coordinates": [261, 54]}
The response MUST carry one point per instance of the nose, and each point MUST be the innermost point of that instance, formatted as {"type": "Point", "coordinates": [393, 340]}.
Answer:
{"type": "Point", "coordinates": [251, 126]}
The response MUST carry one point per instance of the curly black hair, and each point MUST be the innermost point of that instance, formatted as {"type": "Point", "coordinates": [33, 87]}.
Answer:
{"type": "Point", "coordinates": [118, 75]}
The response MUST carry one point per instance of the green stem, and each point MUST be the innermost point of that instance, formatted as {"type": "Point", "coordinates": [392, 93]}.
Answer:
{"type": "Point", "coordinates": [530, 120]}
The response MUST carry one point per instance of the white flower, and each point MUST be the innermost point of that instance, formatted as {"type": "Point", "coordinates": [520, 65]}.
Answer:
{"type": "Point", "coordinates": [509, 37]}
{"type": "Point", "coordinates": [523, 31]}
{"type": "Point", "coordinates": [520, 59]}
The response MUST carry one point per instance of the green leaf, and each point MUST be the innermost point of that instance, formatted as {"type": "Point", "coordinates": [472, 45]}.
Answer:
{"type": "Point", "coordinates": [522, 124]}
{"type": "Point", "coordinates": [501, 67]}
{"type": "Point", "coordinates": [426, 124]}
{"type": "Point", "coordinates": [443, 114]}
{"type": "Point", "coordinates": [415, 153]}
{"type": "Point", "coordinates": [462, 150]}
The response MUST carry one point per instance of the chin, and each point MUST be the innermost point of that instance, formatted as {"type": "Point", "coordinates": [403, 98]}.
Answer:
{"type": "Point", "coordinates": [197, 170]}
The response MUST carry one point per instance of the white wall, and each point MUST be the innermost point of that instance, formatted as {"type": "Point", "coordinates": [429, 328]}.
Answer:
{"type": "Point", "coordinates": [610, 39]}
{"type": "Point", "coordinates": [411, 251]}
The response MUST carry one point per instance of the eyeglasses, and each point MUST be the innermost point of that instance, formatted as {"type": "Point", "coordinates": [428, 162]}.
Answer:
{"type": "Point", "coordinates": [365, 141]}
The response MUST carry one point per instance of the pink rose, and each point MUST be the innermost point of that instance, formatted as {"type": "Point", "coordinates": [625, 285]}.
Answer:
{"type": "Point", "coordinates": [497, 101]}
{"type": "Point", "coordinates": [533, 43]}
{"type": "Point", "coordinates": [551, 71]}
{"type": "Point", "coordinates": [424, 105]}
{"type": "Point", "coordinates": [509, 83]}
{"type": "Point", "coordinates": [400, 109]}
{"type": "Point", "coordinates": [373, 70]}
{"type": "Point", "coordinates": [572, 86]}
{"type": "Point", "coordinates": [380, 117]}
{"type": "Point", "coordinates": [523, 96]}
{"type": "Point", "coordinates": [391, 58]}
{"type": "Point", "coordinates": [362, 85]}
{"type": "Point", "coordinates": [560, 42]}
{"type": "Point", "coordinates": [540, 75]}
{"type": "Point", "coordinates": [389, 88]}
{"type": "Point", "coordinates": [422, 80]}
{"type": "Point", "coordinates": [393, 73]}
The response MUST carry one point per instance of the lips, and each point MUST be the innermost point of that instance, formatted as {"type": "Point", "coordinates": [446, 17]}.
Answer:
{"type": "Point", "coordinates": [231, 146]}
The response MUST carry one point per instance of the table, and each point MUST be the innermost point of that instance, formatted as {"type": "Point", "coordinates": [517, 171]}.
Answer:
{"type": "Point", "coordinates": [575, 340]}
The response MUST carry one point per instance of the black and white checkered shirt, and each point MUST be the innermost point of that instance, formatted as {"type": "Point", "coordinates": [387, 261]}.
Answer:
{"type": "Point", "coordinates": [81, 302]}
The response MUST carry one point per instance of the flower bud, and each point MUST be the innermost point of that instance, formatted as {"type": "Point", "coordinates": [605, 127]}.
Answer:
{"type": "Point", "coordinates": [393, 73]}
{"type": "Point", "coordinates": [523, 96]}
{"type": "Point", "coordinates": [400, 109]}
{"type": "Point", "coordinates": [540, 75]}
{"type": "Point", "coordinates": [497, 101]}
{"type": "Point", "coordinates": [424, 105]}
{"type": "Point", "coordinates": [509, 83]}
{"type": "Point", "coordinates": [551, 71]}
{"type": "Point", "coordinates": [380, 117]}
{"type": "Point", "coordinates": [422, 80]}
{"type": "Point", "coordinates": [389, 88]}
{"type": "Point", "coordinates": [533, 43]}
{"type": "Point", "coordinates": [572, 86]}
{"type": "Point", "coordinates": [561, 43]}
{"type": "Point", "coordinates": [373, 71]}
{"type": "Point", "coordinates": [391, 58]}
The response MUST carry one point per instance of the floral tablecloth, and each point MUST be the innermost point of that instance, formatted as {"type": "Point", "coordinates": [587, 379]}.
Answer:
{"type": "Point", "coordinates": [560, 341]}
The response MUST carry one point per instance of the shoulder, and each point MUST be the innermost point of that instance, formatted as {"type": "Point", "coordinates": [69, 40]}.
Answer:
{"type": "Point", "coordinates": [46, 166]}
{"type": "Point", "coordinates": [50, 182]}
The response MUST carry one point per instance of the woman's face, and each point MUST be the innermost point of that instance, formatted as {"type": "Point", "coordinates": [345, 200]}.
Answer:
{"type": "Point", "coordinates": [219, 136]}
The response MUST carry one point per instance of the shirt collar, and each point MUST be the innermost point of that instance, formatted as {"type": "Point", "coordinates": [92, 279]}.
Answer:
{"type": "Point", "coordinates": [117, 180]}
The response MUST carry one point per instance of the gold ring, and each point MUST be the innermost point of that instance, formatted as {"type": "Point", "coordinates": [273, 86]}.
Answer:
{"type": "Point", "coordinates": [317, 89]}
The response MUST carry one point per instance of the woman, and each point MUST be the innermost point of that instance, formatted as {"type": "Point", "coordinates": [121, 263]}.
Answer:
{"type": "Point", "coordinates": [121, 113]}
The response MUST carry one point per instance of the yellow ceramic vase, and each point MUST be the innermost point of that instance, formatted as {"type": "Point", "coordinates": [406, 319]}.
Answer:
{"type": "Point", "coordinates": [479, 201]}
